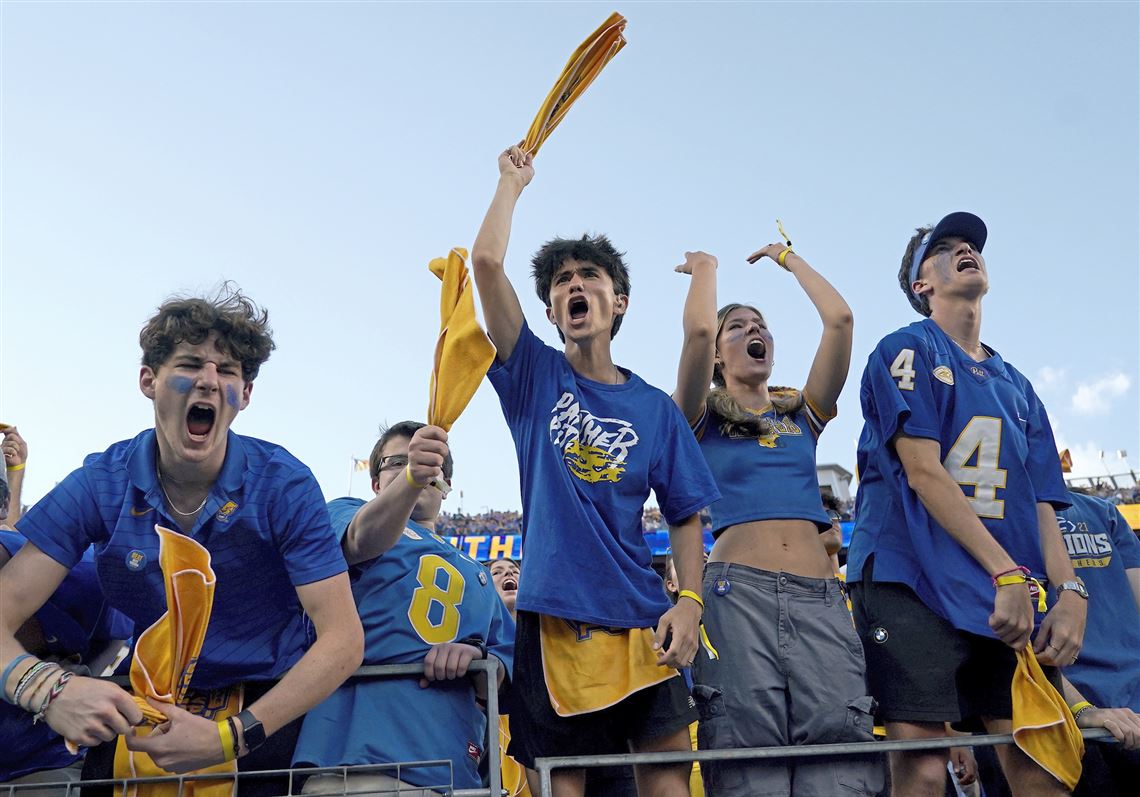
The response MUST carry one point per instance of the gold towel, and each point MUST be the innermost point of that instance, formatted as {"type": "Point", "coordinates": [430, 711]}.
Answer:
{"type": "Point", "coordinates": [164, 661]}
{"type": "Point", "coordinates": [584, 65]}
{"type": "Point", "coordinates": [1043, 726]}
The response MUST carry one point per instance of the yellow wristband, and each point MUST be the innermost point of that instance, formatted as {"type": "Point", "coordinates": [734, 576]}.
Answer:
{"type": "Point", "coordinates": [1010, 578]}
{"type": "Point", "coordinates": [688, 593]}
{"type": "Point", "coordinates": [11, 468]}
{"type": "Point", "coordinates": [780, 258]}
{"type": "Point", "coordinates": [1076, 708]}
{"type": "Point", "coordinates": [411, 481]}
{"type": "Point", "coordinates": [226, 734]}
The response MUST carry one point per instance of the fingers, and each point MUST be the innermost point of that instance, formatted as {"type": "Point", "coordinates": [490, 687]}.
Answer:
{"type": "Point", "coordinates": [447, 662]}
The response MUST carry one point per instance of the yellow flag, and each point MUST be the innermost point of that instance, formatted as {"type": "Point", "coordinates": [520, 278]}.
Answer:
{"type": "Point", "coordinates": [165, 657]}
{"type": "Point", "coordinates": [359, 464]}
{"type": "Point", "coordinates": [585, 64]}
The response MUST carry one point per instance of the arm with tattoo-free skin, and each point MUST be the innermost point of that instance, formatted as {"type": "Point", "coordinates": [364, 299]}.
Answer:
{"type": "Point", "coordinates": [683, 620]}
{"type": "Point", "coordinates": [1122, 723]}
{"type": "Point", "coordinates": [698, 351]}
{"type": "Point", "coordinates": [833, 357]}
{"type": "Point", "coordinates": [1012, 618]}
{"type": "Point", "coordinates": [501, 309]}
{"type": "Point", "coordinates": [1059, 639]}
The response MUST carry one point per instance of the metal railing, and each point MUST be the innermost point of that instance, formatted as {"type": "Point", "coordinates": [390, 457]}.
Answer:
{"type": "Point", "coordinates": [490, 666]}
{"type": "Point", "coordinates": [544, 766]}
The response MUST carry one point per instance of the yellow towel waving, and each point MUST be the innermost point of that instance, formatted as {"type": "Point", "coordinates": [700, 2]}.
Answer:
{"type": "Point", "coordinates": [165, 656]}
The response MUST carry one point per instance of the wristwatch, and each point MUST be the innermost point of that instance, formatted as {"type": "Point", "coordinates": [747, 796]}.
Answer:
{"type": "Point", "coordinates": [1075, 586]}
{"type": "Point", "coordinates": [252, 733]}
{"type": "Point", "coordinates": [476, 642]}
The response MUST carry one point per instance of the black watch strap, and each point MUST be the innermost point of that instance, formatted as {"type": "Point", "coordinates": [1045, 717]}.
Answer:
{"type": "Point", "coordinates": [252, 732]}
{"type": "Point", "coordinates": [476, 642]}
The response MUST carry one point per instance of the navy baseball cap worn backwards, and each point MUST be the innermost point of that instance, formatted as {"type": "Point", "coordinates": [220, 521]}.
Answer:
{"type": "Point", "coordinates": [956, 225]}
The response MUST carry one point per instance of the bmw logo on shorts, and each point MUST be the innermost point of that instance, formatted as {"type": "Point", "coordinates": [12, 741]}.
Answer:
{"type": "Point", "coordinates": [880, 635]}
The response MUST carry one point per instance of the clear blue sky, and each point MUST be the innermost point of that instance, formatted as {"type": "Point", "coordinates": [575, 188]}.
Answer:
{"type": "Point", "coordinates": [319, 154]}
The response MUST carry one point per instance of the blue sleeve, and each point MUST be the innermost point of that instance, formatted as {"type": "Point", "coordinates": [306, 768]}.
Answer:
{"type": "Point", "coordinates": [1124, 539]}
{"type": "Point", "coordinates": [65, 522]}
{"type": "Point", "coordinates": [12, 541]}
{"type": "Point", "coordinates": [1042, 463]}
{"type": "Point", "coordinates": [679, 475]}
{"type": "Point", "coordinates": [902, 401]}
{"type": "Point", "coordinates": [300, 521]}
{"type": "Point", "coordinates": [341, 512]}
{"type": "Point", "coordinates": [528, 364]}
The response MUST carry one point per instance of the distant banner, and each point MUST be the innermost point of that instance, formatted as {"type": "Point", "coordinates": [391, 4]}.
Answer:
{"type": "Point", "coordinates": [1131, 513]}
{"type": "Point", "coordinates": [488, 547]}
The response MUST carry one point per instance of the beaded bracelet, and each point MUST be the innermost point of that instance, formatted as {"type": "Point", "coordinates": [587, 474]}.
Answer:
{"type": "Point", "coordinates": [29, 677]}
{"type": "Point", "coordinates": [56, 688]}
{"type": "Point", "coordinates": [1081, 708]}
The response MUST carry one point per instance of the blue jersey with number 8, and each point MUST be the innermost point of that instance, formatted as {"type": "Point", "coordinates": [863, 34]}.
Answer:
{"type": "Point", "coordinates": [995, 441]}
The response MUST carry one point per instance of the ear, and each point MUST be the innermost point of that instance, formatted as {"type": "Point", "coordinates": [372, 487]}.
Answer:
{"type": "Point", "coordinates": [920, 287]}
{"type": "Point", "coordinates": [148, 379]}
{"type": "Point", "coordinates": [376, 486]}
{"type": "Point", "coordinates": [246, 392]}
{"type": "Point", "coordinates": [550, 315]}
{"type": "Point", "coordinates": [621, 304]}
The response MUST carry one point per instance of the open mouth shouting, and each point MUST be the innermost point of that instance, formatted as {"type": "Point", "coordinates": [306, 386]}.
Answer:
{"type": "Point", "coordinates": [510, 584]}
{"type": "Point", "coordinates": [200, 420]}
{"type": "Point", "coordinates": [578, 308]}
{"type": "Point", "coordinates": [757, 349]}
{"type": "Point", "coordinates": [968, 262]}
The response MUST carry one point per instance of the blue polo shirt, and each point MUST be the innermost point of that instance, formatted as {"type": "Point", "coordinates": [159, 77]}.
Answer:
{"type": "Point", "coordinates": [76, 621]}
{"type": "Point", "coordinates": [264, 524]}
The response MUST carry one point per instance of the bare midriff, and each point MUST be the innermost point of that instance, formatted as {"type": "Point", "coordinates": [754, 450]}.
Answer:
{"type": "Point", "coordinates": [788, 546]}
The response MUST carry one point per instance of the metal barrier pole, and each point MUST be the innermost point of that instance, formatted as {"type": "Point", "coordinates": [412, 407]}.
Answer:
{"type": "Point", "coordinates": [544, 766]}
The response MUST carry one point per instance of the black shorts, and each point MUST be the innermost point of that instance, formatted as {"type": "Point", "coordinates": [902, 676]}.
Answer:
{"type": "Point", "coordinates": [538, 732]}
{"type": "Point", "coordinates": [920, 668]}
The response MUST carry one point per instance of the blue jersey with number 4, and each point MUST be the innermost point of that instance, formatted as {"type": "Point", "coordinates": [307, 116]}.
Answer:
{"type": "Point", "coordinates": [994, 440]}
{"type": "Point", "coordinates": [420, 593]}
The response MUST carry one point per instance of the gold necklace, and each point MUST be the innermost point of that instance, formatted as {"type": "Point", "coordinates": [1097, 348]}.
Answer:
{"type": "Point", "coordinates": [170, 503]}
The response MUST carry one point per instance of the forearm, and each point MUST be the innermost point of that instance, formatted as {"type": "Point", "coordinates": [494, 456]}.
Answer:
{"type": "Point", "coordinates": [490, 248]}
{"type": "Point", "coordinates": [333, 657]}
{"type": "Point", "coordinates": [698, 351]}
{"type": "Point", "coordinates": [831, 306]}
{"type": "Point", "coordinates": [1058, 565]}
{"type": "Point", "coordinates": [687, 543]}
{"type": "Point", "coordinates": [15, 490]}
{"type": "Point", "coordinates": [944, 500]}
{"type": "Point", "coordinates": [379, 523]}
{"type": "Point", "coordinates": [1071, 694]}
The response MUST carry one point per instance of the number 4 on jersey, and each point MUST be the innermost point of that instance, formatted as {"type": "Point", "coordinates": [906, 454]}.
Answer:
{"type": "Point", "coordinates": [902, 369]}
{"type": "Point", "coordinates": [981, 436]}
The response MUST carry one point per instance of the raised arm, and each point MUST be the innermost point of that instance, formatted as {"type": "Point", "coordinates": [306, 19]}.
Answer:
{"type": "Point", "coordinates": [1012, 619]}
{"type": "Point", "coordinates": [501, 309]}
{"type": "Point", "coordinates": [694, 374]}
{"type": "Point", "coordinates": [377, 526]}
{"type": "Point", "coordinates": [833, 357]}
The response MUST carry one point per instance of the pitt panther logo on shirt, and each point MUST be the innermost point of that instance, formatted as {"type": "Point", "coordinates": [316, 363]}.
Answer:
{"type": "Point", "coordinates": [594, 449]}
{"type": "Point", "coordinates": [224, 513]}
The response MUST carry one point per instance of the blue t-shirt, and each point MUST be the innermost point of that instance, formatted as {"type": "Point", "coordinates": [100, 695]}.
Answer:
{"type": "Point", "coordinates": [767, 478]}
{"type": "Point", "coordinates": [264, 524]}
{"type": "Point", "coordinates": [420, 593]}
{"type": "Point", "coordinates": [589, 454]}
{"type": "Point", "coordinates": [1102, 547]}
{"type": "Point", "coordinates": [995, 441]}
{"type": "Point", "coordinates": [75, 621]}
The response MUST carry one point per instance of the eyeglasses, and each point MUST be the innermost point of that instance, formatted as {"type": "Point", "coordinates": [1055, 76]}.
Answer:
{"type": "Point", "coordinates": [393, 462]}
{"type": "Point", "coordinates": [834, 516]}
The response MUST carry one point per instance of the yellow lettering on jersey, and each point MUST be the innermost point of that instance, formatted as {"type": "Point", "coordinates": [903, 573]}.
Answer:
{"type": "Point", "coordinates": [1092, 562]}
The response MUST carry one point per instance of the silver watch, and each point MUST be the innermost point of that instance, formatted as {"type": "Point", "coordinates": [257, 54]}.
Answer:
{"type": "Point", "coordinates": [1075, 586]}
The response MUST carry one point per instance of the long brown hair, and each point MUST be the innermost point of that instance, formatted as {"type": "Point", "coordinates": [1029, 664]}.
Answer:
{"type": "Point", "coordinates": [785, 400]}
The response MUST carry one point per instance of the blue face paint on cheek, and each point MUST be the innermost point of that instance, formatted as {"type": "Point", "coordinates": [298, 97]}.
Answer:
{"type": "Point", "coordinates": [180, 384]}
{"type": "Point", "coordinates": [232, 396]}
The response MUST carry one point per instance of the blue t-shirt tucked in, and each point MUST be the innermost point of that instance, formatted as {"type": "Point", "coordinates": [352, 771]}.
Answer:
{"type": "Point", "coordinates": [75, 621]}
{"type": "Point", "coordinates": [1102, 547]}
{"type": "Point", "coordinates": [264, 524]}
{"type": "Point", "coordinates": [767, 478]}
{"type": "Point", "coordinates": [420, 593]}
{"type": "Point", "coordinates": [589, 455]}
{"type": "Point", "coordinates": [995, 441]}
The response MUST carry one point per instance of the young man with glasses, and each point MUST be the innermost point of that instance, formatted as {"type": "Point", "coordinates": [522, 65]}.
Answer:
{"type": "Point", "coordinates": [420, 600]}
